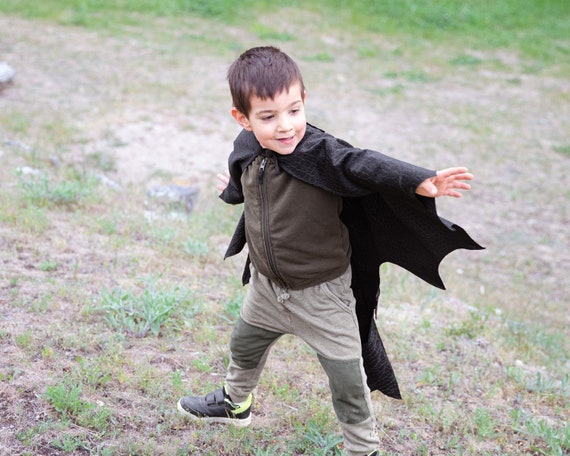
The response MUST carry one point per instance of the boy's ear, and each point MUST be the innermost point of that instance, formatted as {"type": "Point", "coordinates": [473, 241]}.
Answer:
{"type": "Point", "coordinates": [241, 119]}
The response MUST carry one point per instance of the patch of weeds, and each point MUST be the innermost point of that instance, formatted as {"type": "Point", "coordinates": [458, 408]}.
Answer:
{"type": "Point", "coordinates": [196, 249]}
{"type": "Point", "coordinates": [66, 399]}
{"type": "Point", "coordinates": [70, 443]}
{"type": "Point", "coordinates": [107, 226]}
{"type": "Point", "coordinates": [538, 383]}
{"type": "Point", "coordinates": [321, 57]}
{"type": "Point", "coordinates": [206, 332]}
{"type": "Point", "coordinates": [48, 353]}
{"type": "Point", "coordinates": [16, 122]}
{"type": "Point", "coordinates": [521, 335]}
{"type": "Point", "coordinates": [366, 51]}
{"type": "Point", "coordinates": [466, 60]}
{"type": "Point", "coordinates": [39, 191]}
{"type": "Point", "coordinates": [149, 380]}
{"type": "Point", "coordinates": [164, 234]}
{"type": "Point", "coordinates": [548, 439]}
{"type": "Point", "coordinates": [101, 161]}
{"type": "Point", "coordinates": [203, 363]}
{"type": "Point", "coordinates": [410, 76]}
{"type": "Point", "coordinates": [27, 435]}
{"type": "Point", "coordinates": [25, 339]}
{"type": "Point", "coordinates": [320, 442]}
{"type": "Point", "coordinates": [58, 132]}
{"type": "Point", "coordinates": [271, 450]}
{"type": "Point", "coordinates": [564, 150]}
{"type": "Point", "coordinates": [29, 219]}
{"type": "Point", "coordinates": [429, 376]}
{"type": "Point", "coordinates": [41, 304]}
{"type": "Point", "coordinates": [214, 359]}
{"type": "Point", "coordinates": [267, 33]}
{"type": "Point", "coordinates": [484, 423]}
{"type": "Point", "coordinates": [177, 383]}
{"type": "Point", "coordinates": [468, 328]}
{"type": "Point", "coordinates": [232, 307]}
{"type": "Point", "coordinates": [146, 311]}
{"type": "Point", "coordinates": [454, 443]}
{"type": "Point", "coordinates": [284, 391]}
{"type": "Point", "coordinates": [94, 373]}
{"type": "Point", "coordinates": [392, 90]}
{"type": "Point", "coordinates": [47, 265]}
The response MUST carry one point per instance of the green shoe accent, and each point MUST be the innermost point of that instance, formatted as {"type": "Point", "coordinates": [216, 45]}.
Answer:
{"type": "Point", "coordinates": [240, 407]}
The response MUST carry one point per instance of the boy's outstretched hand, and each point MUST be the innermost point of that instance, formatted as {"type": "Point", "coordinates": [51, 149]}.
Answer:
{"type": "Point", "coordinates": [446, 183]}
{"type": "Point", "coordinates": [223, 180]}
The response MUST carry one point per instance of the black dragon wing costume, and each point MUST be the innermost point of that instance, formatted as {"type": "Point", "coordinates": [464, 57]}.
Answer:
{"type": "Point", "coordinates": [387, 222]}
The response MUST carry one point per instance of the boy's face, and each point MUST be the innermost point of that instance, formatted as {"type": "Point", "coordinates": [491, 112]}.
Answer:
{"type": "Point", "coordinates": [278, 124]}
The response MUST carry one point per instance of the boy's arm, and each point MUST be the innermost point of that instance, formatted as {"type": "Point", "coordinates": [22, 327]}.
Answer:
{"type": "Point", "coordinates": [445, 183]}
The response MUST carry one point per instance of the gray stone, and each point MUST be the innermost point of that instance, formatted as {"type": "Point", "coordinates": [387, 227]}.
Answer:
{"type": "Point", "coordinates": [7, 73]}
{"type": "Point", "coordinates": [175, 193]}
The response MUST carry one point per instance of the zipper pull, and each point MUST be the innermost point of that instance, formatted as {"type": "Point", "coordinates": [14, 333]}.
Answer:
{"type": "Point", "coordinates": [261, 170]}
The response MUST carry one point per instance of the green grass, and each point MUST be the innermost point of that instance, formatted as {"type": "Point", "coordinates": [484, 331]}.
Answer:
{"type": "Point", "coordinates": [39, 190]}
{"type": "Point", "coordinates": [148, 310]}
{"type": "Point", "coordinates": [67, 400]}
{"type": "Point", "coordinates": [538, 28]}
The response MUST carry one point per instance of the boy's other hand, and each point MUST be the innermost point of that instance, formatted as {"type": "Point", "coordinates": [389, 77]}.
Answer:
{"type": "Point", "coordinates": [446, 182]}
{"type": "Point", "coordinates": [224, 179]}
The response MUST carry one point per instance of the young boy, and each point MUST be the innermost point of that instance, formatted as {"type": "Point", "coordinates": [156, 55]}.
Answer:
{"type": "Point", "coordinates": [320, 216]}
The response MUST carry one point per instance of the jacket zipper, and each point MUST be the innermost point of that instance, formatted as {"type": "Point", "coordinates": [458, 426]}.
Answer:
{"type": "Point", "coordinates": [265, 222]}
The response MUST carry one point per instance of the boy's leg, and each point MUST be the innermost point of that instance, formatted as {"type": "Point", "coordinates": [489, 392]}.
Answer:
{"type": "Point", "coordinates": [325, 317]}
{"type": "Point", "coordinates": [249, 347]}
{"type": "Point", "coordinates": [352, 404]}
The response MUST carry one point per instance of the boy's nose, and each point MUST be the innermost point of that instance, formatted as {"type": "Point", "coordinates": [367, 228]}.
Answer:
{"type": "Point", "coordinates": [284, 124]}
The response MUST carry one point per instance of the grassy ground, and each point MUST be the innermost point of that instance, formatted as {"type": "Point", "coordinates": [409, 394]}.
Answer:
{"type": "Point", "coordinates": [113, 304]}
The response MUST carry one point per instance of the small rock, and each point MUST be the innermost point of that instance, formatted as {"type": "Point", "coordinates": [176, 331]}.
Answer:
{"type": "Point", "coordinates": [109, 182]}
{"type": "Point", "coordinates": [6, 73]}
{"type": "Point", "coordinates": [175, 193]}
{"type": "Point", "coordinates": [54, 161]}
{"type": "Point", "coordinates": [28, 171]}
{"type": "Point", "coordinates": [17, 144]}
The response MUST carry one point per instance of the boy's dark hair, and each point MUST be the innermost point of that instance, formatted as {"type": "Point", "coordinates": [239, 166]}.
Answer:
{"type": "Point", "coordinates": [261, 72]}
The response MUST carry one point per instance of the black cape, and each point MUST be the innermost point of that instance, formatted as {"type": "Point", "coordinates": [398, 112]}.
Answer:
{"type": "Point", "coordinates": [387, 222]}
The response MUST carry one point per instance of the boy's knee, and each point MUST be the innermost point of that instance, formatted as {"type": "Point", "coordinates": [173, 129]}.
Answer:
{"type": "Point", "coordinates": [249, 343]}
{"type": "Point", "coordinates": [348, 389]}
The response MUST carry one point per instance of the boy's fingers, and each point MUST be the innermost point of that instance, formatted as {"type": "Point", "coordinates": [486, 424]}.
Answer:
{"type": "Point", "coordinates": [458, 172]}
{"type": "Point", "coordinates": [462, 185]}
{"type": "Point", "coordinates": [464, 176]}
{"type": "Point", "coordinates": [225, 178]}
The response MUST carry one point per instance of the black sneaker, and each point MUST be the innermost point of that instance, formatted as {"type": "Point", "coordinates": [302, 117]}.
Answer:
{"type": "Point", "coordinates": [217, 407]}
{"type": "Point", "coordinates": [374, 453]}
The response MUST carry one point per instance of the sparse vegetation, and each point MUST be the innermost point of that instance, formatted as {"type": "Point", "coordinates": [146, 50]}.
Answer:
{"type": "Point", "coordinates": [146, 311]}
{"type": "Point", "coordinates": [112, 305]}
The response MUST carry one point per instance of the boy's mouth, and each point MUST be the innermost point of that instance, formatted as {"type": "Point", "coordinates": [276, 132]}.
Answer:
{"type": "Point", "coordinates": [286, 140]}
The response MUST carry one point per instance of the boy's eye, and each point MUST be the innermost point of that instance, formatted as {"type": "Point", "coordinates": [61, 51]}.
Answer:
{"type": "Point", "coordinates": [267, 118]}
